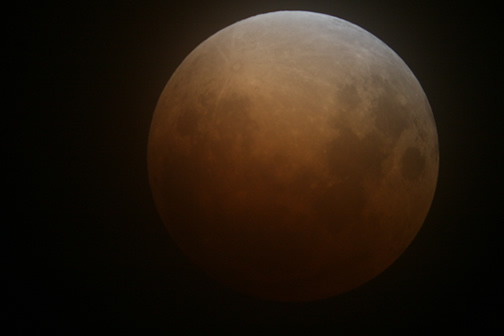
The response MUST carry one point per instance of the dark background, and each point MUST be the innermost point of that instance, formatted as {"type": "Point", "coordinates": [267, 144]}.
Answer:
{"type": "Point", "coordinates": [88, 247]}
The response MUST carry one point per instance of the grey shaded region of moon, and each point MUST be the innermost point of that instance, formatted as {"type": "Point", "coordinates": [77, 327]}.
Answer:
{"type": "Point", "coordinates": [293, 156]}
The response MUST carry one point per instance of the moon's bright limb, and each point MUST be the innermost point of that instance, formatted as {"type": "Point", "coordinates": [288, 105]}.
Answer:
{"type": "Point", "coordinates": [293, 156]}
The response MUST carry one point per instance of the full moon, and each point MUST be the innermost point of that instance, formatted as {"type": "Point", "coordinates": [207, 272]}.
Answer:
{"type": "Point", "coordinates": [293, 156]}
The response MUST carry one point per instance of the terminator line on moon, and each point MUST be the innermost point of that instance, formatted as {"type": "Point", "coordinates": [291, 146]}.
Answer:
{"type": "Point", "coordinates": [293, 156]}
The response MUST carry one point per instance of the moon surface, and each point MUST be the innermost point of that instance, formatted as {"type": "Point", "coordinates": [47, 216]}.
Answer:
{"type": "Point", "coordinates": [293, 156]}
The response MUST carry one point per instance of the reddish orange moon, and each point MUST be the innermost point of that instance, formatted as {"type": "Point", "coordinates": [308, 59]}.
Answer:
{"type": "Point", "coordinates": [293, 156]}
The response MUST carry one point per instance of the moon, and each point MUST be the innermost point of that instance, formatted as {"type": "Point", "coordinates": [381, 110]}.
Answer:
{"type": "Point", "coordinates": [293, 156]}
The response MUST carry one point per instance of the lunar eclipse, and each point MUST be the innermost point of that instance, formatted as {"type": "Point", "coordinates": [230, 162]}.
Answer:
{"type": "Point", "coordinates": [283, 181]}
{"type": "Point", "coordinates": [293, 156]}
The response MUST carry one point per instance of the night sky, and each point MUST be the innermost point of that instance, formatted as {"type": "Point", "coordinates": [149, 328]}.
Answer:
{"type": "Point", "coordinates": [87, 247]}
